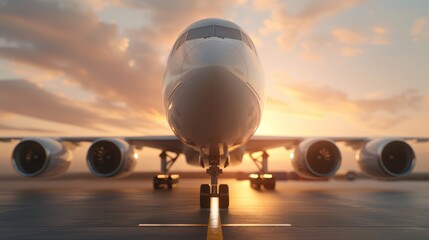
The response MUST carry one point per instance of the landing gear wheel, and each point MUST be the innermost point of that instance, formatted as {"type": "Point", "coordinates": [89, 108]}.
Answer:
{"type": "Point", "coordinates": [205, 196]}
{"type": "Point", "coordinates": [170, 183]}
{"type": "Point", "coordinates": [165, 181]}
{"type": "Point", "coordinates": [223, 196]}
{"type": "Point", "coordinates": [156, 184]}
{"type": "Point", "coordinates": [256, 183]}
{"type": "Point", "coordinates": [270, 184]}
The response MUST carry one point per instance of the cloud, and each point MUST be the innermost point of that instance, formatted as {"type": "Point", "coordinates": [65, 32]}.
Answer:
{"type": "Point", "coordinates": [72, 40]}
{"type": "Point", "coordinates": [262, 5]}
{"type": "Point", "coordinates": [26, 129]}
{"type": "Point", "coordinates": [21, 98]}
{"type": "Point", "coordinates": [350, 51]}
{"type": "Point", "coordinates": [25, 98]}
{"type": "Point", "coordinates": [170, 18]}
{"type": "Point", "coordinates": [379, 35]}
{"type": "Point", "coordinates": [313, 48]}
{"type": "Point", "coordinates": [298, 30]}
{"type": "Point", "coordinates": [348, 37]}
{"type": "Point", "coordinates": [279, 104]}
{"type": "Point", "coordinates": [344, 41]}
{"type": "Point", "coordinates": [351, 41]}
{"type": "Point", "coordinates": [310, 56]}
{"type": "Point", "coordinates": [122, 70]}
{"type": "Point", "coordinates": [420, 29]}
{"type": "Point", "coordinates": [320, 100]}
{"type": "Point", "coordinates": [292, 28]}
{"type": "Point", "coordinates": [98, 5]}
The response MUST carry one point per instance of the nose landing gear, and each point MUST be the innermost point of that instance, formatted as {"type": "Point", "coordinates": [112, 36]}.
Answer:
{"type": "Point", "coordinates": [214, 190]}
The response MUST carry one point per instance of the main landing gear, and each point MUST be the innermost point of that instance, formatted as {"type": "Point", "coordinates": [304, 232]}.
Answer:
{"type": "Point", "coordinates": [214, 190]}
{"type": "Point", "coordinates": [263, 178]}
{"type": "Point", "coordinates": [165, 179]}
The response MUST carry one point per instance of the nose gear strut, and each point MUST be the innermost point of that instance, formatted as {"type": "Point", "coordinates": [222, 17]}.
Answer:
{"type": "Point", "coordinates": [207, 191]}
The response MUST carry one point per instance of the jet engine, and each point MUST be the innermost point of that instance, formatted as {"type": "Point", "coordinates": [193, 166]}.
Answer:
{"type": "Point", "coordinates": [386, 158]}
{"type": "Point", "coordinates": [109, 157]}
{"type": "Point", "coordinates": [316, 158]}
{"type": "Point", "coordinates": [40, 157]}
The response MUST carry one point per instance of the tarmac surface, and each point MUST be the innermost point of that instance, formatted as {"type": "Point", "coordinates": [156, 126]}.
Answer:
{"type": "Point", "coordinates": [113, 209]}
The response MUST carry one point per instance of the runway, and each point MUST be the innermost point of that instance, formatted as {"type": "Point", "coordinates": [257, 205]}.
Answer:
{"type": "Point", "coordinates": [113, 209]}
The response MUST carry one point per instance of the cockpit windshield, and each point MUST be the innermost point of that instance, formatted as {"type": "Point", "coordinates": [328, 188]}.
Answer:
{"type": "Point", "coordinates": [214, 31]}
{"type": "Point", "coordinates": [201, 32]}
{"type": "Point", "coordinates": [226, 32]}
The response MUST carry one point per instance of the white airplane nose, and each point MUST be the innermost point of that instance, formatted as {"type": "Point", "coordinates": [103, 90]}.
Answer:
{"type": "Point", "coordinates": [215, 53]}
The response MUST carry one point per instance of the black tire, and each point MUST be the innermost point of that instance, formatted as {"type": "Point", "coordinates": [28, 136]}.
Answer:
{"type": "Point", "coordinates": [223, 189]}
{"type": "Point", "coordinates": [204, 196]}
{"type": "Point", "coordinates": [170, 183]}
{"type": "Point", "coordinates": [255, 183]}
{"type": "Point", "coordinates": [223, 196]}
{"type": "Point", "coordinates": [255, 186]}
{"type": "Point", "coordinates": [156, 184]}
{"type": "Point", "coordinates": [270, 184]}
{"type": "Point", "coordinates": [350, 176]}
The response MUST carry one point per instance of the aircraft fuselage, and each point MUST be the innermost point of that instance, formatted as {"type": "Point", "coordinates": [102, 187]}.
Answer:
{"type": "Point", "coordinates": [213, 89]}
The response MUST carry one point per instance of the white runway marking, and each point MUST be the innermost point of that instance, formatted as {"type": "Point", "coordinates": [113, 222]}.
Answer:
{"type": "Point", "coordinates": [223, 225]}
{"type": "Point", "coordinates": [256, 225]}
{"type": "Point", "coordinates": [214, 227]}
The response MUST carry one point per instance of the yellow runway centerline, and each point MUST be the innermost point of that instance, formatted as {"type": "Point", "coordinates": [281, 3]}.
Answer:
{"type": "Point", "coordinates": [214, 230]}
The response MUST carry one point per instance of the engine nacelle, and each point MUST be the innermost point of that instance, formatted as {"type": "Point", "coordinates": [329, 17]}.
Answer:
{"type": "Point", "coordinates": [316, 158]}
{"type": "Point", "coordinates": [40, 157]}
{"type": "Point", "coordinates": [386, 158]}
{"type": "Point", "coordinates": [109, 157]}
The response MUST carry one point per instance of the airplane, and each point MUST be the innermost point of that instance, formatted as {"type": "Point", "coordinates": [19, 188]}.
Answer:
{"type": "Point", "coordinates": [213, 96]}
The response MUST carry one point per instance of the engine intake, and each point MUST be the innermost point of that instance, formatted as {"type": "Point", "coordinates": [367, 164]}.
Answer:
{"type": "Point", "coordinates": [40, 157]}
{"type": "Point", "coordinates": [386, 158]}
{"type": "Point", "coordinates": [316, 158]}
{"type": "Point", "coordinates": [110, 157]}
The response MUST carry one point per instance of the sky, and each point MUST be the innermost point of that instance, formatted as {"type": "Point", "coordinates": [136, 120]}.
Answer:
{"type": "Point", "coordinates": [332, 67]}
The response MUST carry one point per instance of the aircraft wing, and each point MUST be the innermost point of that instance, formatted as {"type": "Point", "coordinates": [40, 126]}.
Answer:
{"type": "Point", "coordinates": [57, 161]}
{"type": "Point", "coordinates": [263, 143]}
{"type": "Point", "coordinates": [168, 143]}
{"type": "Point", "coordinates": [255, 144]}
